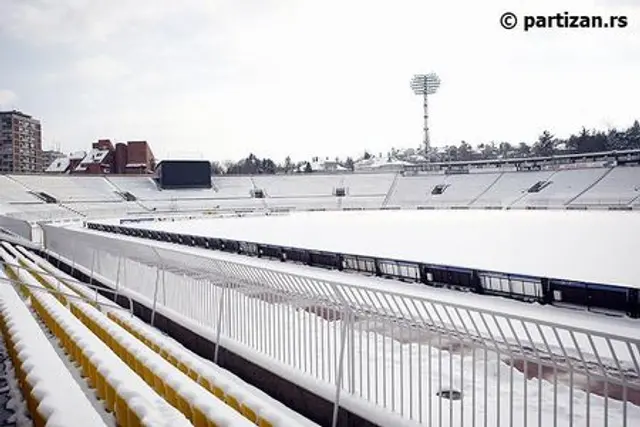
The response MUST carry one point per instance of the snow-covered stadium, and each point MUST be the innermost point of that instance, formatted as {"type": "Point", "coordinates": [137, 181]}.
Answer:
{"type": "Point", "coordinates": [474, 295]}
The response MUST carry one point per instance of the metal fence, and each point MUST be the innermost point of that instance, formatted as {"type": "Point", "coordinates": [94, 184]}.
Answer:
{"type": "Point", "coordinates": [433, 363]}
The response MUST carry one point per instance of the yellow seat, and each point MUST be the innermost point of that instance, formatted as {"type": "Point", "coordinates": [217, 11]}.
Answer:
{"type": "Point", "coordinates": [110, 398]}
{"type": "Point", "coordinates": [233, 402]}
{"type": "Point", "coordinates": [264, 423]}
{"type": "Point", "coordinates": [184, 407]}
{"type": "Point", "coordinates": [101, 391]}
{"type": "Point", "coordinates": [218, 392]}
{"type": "Point", "coordinates": [199, 419]}
{"type": "Point", "coordinates": [134, 419]}
{"type": "Point", "coordinates": [249, 413]}
{"type": "Point", "coordinates": [121, 412]}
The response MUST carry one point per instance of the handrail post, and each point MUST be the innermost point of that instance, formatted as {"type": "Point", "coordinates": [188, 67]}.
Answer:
{"type": "Point", "coordinates": [155, 296]}
{"type": "Point", "coordinates": [340, 374]}
{"type": "Point", "coordinates": [219, 325]}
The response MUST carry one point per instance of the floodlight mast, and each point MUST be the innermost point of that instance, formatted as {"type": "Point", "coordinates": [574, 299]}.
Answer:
{"type": "Point", "coordinates": [425, 84]}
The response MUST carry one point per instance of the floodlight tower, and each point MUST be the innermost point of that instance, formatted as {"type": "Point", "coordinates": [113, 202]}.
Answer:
{"type": "Point", "coordinates": [425, 85]}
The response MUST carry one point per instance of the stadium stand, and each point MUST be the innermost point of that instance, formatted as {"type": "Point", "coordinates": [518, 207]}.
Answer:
{"type": "Point", "coordinates": [206, 205]}
{"type": "Point", "coordinates": [618, 188]}
{"type": "Point", "coordinates": [14, 192]}
{"type": "Point", "coordinates": [146, 379]}
{"type": "Point", "coordinates": [145, 189]}
{"type": "Point", "coordinates": [413, 191]}
{"type": "Point", "coordinates": [303, 203]}
{"type": "Point", "coordinates": [183, 376]}
{"type": "Point", "coordinates": [105, 209]}
{"type": "Point", "coordinates": [361, 202]}
{"type": "Point", "coordinates": [71, 189]}
{"type": "Point", "coordinates": [462, 190]}
{"type": "Point", "coordinates": [371, 184]}
{"type": "Point", "coordinates": [233, 187]}
{"type": "Point", "coordinates": [564, 186]}
{"type": "Point", "coordinates": [510, 187]}
{"type": "Point", "coordinates": [35, 198]}
{"type": "Point", "coordinates": [298, 186]}
{"type": "Point", "coordinates": [53, 396]}
{"type": "Point", "coordinates": [119, 387]}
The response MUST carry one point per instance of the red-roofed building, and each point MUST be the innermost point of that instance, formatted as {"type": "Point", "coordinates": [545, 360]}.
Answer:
{"type": "Point", "coordinates": [134, 157]}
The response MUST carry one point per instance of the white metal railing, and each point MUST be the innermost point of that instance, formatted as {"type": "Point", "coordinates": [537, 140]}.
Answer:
{"type": "Point", "coordinates": [404, 353]}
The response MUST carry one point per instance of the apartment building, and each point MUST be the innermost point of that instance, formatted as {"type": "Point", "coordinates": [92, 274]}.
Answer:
{"type": "Point", "coordinates": [20, 143]}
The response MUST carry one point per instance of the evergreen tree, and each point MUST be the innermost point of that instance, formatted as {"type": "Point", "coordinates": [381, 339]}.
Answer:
{"type": "Point", "coordinates": [616, 140]}
{"type": "Point", "coordinates": [632, 136]}
{"type": "Point", "coordinates": [465, 151]}
{"type": "Point", "coordinates": [505, 149]}
{"type": "Point", "coordinates": [288, 165]}
{"type": "Point", "coordinates": [523, 150]}
{"type": "Point", "coordinates": [307, 168]}
{"type": "Point", "coordinates": [349, 164]}
{"type": "Point", "coordinates": [545, 146]}
{"type": "Point", "coordinates": [216, 168]}
{"type": "Point", "coordinates": [451, 153]}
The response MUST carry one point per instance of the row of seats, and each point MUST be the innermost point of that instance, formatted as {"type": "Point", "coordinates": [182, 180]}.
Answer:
{"type": "Point", "coordinates": [151, 348]}
{"type": "Point", "coordinates": [195, 402]}
{"type": "Point", "coordinates": [254, 404]}
{"type": "Point", "coordinates": [86, 196]}
{"type": "Point", "coordinates": [192, 399]}
{"type": "Point", "coordinates": [123, 392]}
{"type": "Point", "coordinates": [53, 397]}
{"type": "Point", "coordinates": [71, 188]}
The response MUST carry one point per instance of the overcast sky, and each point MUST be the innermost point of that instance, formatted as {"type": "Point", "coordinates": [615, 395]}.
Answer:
{"type": "Point", "coordinates": [222, 78]}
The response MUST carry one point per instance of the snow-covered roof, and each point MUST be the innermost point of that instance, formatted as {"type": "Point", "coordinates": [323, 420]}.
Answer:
{"type": "Point", "coordinates": [59, 165]}
{"type": "Point", "coordinates": [94, 156]}
{"type": "Point", "coordinates": [416, 158]}
{"type": "Point", "coordinates": [380, 163]}
{"type": "Point", "coordinates": [78, 155]}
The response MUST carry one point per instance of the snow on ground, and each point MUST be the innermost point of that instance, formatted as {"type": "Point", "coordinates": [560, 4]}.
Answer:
{"type": "Point", "coordinates": [589, 246]}
{"type": "Point", "coordinates": [401, 374]}
{"type": "Point", "coordinates": [13, 407]}
{"type": "Point", "coordinates": [191, 257]}
{"type": "Point", "coordinates": [60, 399]}
{"type": "Point", "coordinates": [220, 413]}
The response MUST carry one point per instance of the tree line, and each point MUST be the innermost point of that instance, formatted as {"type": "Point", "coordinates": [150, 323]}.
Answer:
{"type": "Point", "coordinates": [585, 141]}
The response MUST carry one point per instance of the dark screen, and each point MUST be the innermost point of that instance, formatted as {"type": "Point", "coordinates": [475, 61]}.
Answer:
{"type": "Point", "coordinates": [185, 174]}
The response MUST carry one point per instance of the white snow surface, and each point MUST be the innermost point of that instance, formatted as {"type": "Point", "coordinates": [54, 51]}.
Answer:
{"type": "Point", "coordinates": [262, 404]}
{"type": "Point", "coordinates": [623, 327]}
{"type": "Point", "coordinates": [589, 246]}
{"type": "Point", "coordinates": [150, 407]}
{"type": "Point", "coordinates": [62, 402]}
{"type": "Point", "coordinates": [194, 310]}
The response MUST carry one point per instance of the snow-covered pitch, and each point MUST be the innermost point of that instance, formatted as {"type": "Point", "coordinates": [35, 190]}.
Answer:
{"type": "Point", "coordinates": [588, 246]}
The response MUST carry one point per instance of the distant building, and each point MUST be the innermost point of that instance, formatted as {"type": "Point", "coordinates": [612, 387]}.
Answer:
{"type": "Point", "coordinates": [380, 164]}
{"type": "Point", "coordinates": [99, 160]}
{"type": "Point", "coordinates": [319, 165]}
{"type": "Point", "coordinates": [140, 158]}
{"type": "Point", "coordinates": [20, 143]}
{"type": "Point", "coordinates": [134, 157]}
{"type": "Point", "coordinates": [49, 156]}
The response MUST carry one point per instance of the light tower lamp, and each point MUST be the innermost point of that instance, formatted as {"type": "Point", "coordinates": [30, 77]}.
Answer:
{"type": "Point", "coordinates": [425, 85]}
